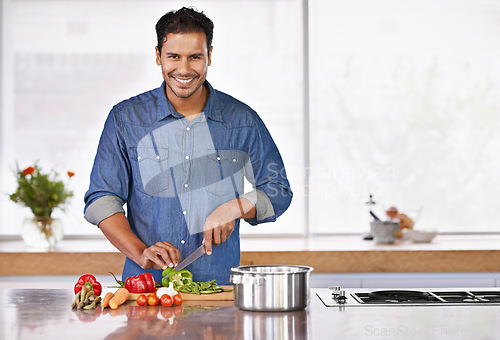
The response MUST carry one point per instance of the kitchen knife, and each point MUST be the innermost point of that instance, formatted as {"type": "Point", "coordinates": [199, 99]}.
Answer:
{"type": "Point", "coordinates": [192, 257]}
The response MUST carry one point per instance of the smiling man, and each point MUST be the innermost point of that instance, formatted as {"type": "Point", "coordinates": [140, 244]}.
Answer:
{"type": "Point", "coordinates": [177, 157]}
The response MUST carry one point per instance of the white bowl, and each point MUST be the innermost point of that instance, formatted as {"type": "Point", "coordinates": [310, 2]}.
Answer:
{"type": "Point", "coordinates": [420, 236]}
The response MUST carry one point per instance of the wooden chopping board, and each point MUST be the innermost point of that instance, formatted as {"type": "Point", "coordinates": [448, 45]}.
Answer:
{"type": "Point", "coordinates": [222, 296]}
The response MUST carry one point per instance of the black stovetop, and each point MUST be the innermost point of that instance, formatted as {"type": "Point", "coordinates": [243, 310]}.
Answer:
{"type": "Point", "coordinates": [426, 297]}
{"type": "Point", "coordinates": [407, 297]}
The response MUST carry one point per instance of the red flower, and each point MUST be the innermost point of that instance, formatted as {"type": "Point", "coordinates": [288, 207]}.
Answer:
{"type": "Point", "coordinates": [28, 171]}
{"type": "Point", "coordinates": [70, 174]}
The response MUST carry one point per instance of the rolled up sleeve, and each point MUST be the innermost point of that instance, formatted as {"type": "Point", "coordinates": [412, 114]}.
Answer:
{"type": "Point", "coordinates": [103, 208]}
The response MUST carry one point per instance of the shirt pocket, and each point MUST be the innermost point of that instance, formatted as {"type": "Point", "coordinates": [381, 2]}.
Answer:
{"type": "Point", "coordinates": [151, 170]}
{"type": "Point", "coordinates": [224, 172]}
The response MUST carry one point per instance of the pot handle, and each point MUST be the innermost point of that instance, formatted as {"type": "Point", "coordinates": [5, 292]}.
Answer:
{"type": "Point", "coordinates": [247, 280]}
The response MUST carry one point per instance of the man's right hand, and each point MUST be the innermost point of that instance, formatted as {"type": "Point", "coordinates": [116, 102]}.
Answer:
{"type": "Point", "coordinates": [158, 256]}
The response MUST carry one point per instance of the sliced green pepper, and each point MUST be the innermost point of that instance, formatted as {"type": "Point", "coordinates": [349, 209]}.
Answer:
{"type": "Point", "coordinates": [177, 277]}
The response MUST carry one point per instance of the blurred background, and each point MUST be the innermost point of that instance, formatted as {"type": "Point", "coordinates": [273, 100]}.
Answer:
{"type": "Point", "coordinates": [397, 99]}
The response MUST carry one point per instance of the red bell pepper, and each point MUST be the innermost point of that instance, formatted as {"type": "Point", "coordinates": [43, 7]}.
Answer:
{"type": "Point", "coordinates": [92, 280]}
{"type": "Point", "coordinates": [143, 283]}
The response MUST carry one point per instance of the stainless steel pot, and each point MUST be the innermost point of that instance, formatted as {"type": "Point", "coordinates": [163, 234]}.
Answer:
{"type": "Point", "coordinates": [271, 288]}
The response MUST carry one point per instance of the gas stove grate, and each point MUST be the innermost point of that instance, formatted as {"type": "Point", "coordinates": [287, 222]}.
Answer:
{"type": "Point", "coordinates": [395, 297]}
{"type": "Point", "coordinates": [337, 297]}
{"type": "Point", "coordinates": [424, 297]}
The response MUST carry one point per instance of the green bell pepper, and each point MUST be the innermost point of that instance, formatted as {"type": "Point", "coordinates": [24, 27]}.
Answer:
{"type": "Point", "coordinates": [177, 277]}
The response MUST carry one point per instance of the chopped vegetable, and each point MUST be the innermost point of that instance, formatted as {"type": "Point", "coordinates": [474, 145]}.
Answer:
{"type": "Point", "coordinates": [177, 277]}
{"type": "Point", "coordinates": [97, 288]}
{"type": "Point", "coordinates": [182, 281]}
{"type": "Point", "coordinates": [107, 298]}
{"type": "Point", "coordinates": [207, 287]}
{"type": "Point", "coordinates": [121, 295]}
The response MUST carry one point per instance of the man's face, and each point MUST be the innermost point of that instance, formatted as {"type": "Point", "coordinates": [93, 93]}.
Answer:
{"type": "Point", "coordinates": [184, 62]}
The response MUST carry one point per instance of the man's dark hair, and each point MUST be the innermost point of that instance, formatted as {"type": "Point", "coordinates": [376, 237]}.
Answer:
{"type": "Point", "coordinates": [185, 20]}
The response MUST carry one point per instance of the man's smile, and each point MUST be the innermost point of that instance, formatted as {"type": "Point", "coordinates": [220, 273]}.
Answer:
{"type": "Point", "coordinates": [184, 81]}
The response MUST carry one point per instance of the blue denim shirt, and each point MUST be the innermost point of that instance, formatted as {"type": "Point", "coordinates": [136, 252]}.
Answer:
{"type": "Point", "coordinates": [172, 174]}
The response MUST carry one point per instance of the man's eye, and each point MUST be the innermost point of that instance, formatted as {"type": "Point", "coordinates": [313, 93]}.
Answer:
{"type": "Point", "coordinates": [173, 57]}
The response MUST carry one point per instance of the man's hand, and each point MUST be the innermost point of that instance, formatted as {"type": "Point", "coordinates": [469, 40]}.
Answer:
{"type": "Point", "coordinates": [159, 256]}
{"type": "Point", "coordinates": [220, 223]}
{"type": "Point", "coordinates": [218, 227]}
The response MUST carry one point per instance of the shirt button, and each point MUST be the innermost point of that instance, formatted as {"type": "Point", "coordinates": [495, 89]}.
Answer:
{"type": "Point", "coordinates": [187, 157]}
{"type": "Point", "coordinates": [188, 128]}
{"type": "Point", "coordinates": [157, 157]}
{"type": "Point", "coordinates": [234, 160]}
{"type": "Point", "coordinates": [139, 157]}
{"type": "Point", "coordinates": [218, 158]}
{"type": "Point", "coordinates": [184, 212]}
{"type": "Point", "coordinates": [182, 241]}
{"type": "Point", "coordinates": [186, 185]}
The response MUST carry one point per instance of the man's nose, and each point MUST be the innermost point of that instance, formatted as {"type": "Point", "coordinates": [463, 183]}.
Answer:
{"type": "Point", "coordinates": [184, 66]}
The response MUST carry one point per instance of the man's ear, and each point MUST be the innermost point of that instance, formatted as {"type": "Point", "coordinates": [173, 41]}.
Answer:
{"type": "Point", "coordinates": [210, 56]}
{"type": "Point", "coordinates": [158, 57]}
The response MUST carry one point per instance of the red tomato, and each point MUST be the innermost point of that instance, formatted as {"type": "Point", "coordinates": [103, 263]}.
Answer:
{"type": "Point", "coordinates": [166, 300]}
{"type": "Point", "coordinates": [153, 300]}
{"type": "Point", "coordinates": [142, 300]}
{"type": "Point", "coordinates": [177, 299]}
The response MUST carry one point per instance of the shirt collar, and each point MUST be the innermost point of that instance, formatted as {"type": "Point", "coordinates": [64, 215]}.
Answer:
{"type": "Point", "coordinates": [211, 111]}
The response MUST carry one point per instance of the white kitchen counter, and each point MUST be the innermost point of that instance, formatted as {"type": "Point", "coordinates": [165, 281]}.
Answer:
{"type": "Point", "coordinates": [286, 243]}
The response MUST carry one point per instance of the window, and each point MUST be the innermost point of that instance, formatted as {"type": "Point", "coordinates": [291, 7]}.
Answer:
{"type": "Point", "coordinates": [405, 106]}
{"type": "Point", "coordinates": [66, 63]}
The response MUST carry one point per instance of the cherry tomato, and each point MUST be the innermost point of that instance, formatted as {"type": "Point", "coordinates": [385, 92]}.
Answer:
{"type": "Point", "coordinates": [177, 299]}
{"type": "Point", "coordinates": [142, 300]}
{"type": "Point", "coordinates": [153, 300]}
{"type": "Point", "coordinates": [166, 300]}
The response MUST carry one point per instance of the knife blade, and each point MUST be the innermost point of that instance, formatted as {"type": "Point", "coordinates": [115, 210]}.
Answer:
{"type": "Point", "coordinates": [191, 258]}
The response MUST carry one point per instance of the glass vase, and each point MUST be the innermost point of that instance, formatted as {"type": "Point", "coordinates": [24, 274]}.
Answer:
{"type": "Point", "coordinates": [42, 231]}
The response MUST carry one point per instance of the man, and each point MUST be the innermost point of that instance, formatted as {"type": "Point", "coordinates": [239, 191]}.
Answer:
{"type": "Point", "coordinates": [177, 156]}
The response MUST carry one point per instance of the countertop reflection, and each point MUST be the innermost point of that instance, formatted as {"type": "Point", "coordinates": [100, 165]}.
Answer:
{"type": "Point", "coordinates": [47, 314]}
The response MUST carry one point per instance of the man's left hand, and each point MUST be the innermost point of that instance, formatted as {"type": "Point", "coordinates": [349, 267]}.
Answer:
{"type": "Point", "coordinates": [218, 227]}
{"type": "Point", "coordinates": [220, 223]}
